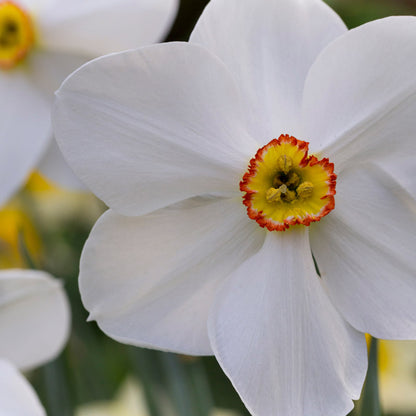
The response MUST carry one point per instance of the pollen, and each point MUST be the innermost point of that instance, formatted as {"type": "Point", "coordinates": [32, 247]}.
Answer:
{"type": "Point", "coordinates": [305, 190]}
{"type": "Point", "coordinates": [16, 34]}
{"type": "Point", "coordinates": [285, 186]}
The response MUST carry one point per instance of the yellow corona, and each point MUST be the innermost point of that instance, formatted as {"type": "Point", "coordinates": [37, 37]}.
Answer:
{"type": "Point", "coordinates": [16, 34]}
{"type": "Point", "coordinates": [284, 186]}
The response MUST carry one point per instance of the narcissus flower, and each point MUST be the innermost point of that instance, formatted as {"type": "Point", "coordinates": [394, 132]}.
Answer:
{"type": "Point", "coordinates": [41, 42]}
{"type": "Point", "coordinates": [17, 396]}
{"type": "Point", "coordinates": [33, 306]}
{"type": "Point", "coordinates": [233, 164]}
{"type": "Point", "coordinates": [34, 327]}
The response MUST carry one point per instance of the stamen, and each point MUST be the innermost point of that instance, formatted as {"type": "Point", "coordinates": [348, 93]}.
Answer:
{"type": "Point", "coordinates": [305, 190]}
{"type": "Point", "coordinates": [287, 194]}
{"type": "Point", "coordinates": [273, 195]}
{"type": "Point", "coordinates": [293, 179]}
{"type": "Point", "coordinates": [285, 163]}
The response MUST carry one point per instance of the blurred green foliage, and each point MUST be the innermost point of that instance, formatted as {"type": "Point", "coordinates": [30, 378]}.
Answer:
{"type": "Point", "coordinates": [357, 12]}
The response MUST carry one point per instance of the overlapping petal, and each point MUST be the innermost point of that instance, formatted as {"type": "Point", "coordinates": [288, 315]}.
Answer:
{"type": "Point", "coordinates": [365, 253]}
{"type": "Point", "coordinates": [34, 317]}
{"type": "Point", "coordinates": [69, 33]}
{"type": "Point", "coordinates": [167, 119]}
{"type": "Point", "coordinates": [98, 27]}
{"type": "Point", "coordinates": [269, 46]}
{"type": "Point", "coordinates": [24, 130]}
{"type": "Point", "coordinates": [45, 71]}
{"type": "Point", "coordinates": [280, 340]}
{"type": "Point", "coordinates": [54, 167]}
{"type": "Point", "coordinates": [360, 94]}
{"type": "Point", "coordinates": [17, 396]}
{"type": "Point", "coordinates": [403, 169]}
{"type": "Point", "coordinates": [150, 281]}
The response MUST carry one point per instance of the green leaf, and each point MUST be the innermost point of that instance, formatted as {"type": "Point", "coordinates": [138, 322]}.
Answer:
{"type": "Point", "coordinates": [369, 404]}
{"type": "Point", "coordinates": [187, 385]}
{"type": "Point", "coordinates": [146, 365]}
{"type": "Point", "coordinates": [51, 383]}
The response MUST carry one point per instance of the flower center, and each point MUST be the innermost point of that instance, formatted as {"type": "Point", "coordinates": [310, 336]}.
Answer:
{"type": "Point", "coordinates": [16, 34]}
{"type": "Point", "coordinates": [284, 186]}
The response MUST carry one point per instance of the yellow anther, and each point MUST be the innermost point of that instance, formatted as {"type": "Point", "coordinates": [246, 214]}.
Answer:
{"type": "Point", "coordinates": [284, 163]}
{"type": "Point", "coordinates": [283, 193]}
{"type": "Point", "coordinates": [273, 195]}
{"type": "Point", "coordinates": [293, 179]}
{"type": "Point", "coordinates": [287, 194]}
{"type": "Point", "coordinates": [305, 190]}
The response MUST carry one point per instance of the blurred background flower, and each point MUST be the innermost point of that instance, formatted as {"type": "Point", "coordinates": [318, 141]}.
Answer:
{"type": "Point", "coordinates": [41, 42]}
{"type": "Point", "coordinates": [34, 327]}
{"type": "Point", "coordinates": [17, 395]}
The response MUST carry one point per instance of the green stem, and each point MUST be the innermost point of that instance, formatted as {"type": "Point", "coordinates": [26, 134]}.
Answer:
{"type": "Point", "coordinates": [369, 404]}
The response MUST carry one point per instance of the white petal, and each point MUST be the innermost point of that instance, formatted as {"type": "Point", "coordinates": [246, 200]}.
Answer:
{"type": "Point", "coordinates": [54, 167]}
{"type": "Point", "coordinates": [365, 251]}
{"type": "Point", "coordinates": [17, 397]}
{"type": "Point", "coordinates": [269, 46]}
{"type": "Point", "coordinates": [98, 27]}
{"type": "Point", "coordinates": [34, 7]}
{"type": "Point", "coordinates": [147, 128]}
{"type": "Point", "coordinates": [24, 130]}
{"type": "Point", "coordinates": [360, 94]}
{"type": "Point", "coordinates": [403, 169]}
{"type": "Point", "coordinates": [280, 340]}
{"type": "Point", "coordinates": [150, 281]}
{"type": "Point", "coordinates": [34, 317]}
{"type": "Point", "coordinates": [46, 70]}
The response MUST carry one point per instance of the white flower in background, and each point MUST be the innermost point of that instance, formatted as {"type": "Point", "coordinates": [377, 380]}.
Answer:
{"type": "Point", "coordinates": [34, 317]}
{"type": "Point", "coordinates": [34, 327]}
{"type": "Point", "coordinates": [17, 396]}
{"type": "Point", "coordinates": [41, 42]}
{"type": "Point", "coordinates": [184, 130]}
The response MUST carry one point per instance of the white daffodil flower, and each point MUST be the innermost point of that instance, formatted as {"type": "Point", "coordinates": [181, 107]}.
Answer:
{"type": "Point", "coordinates": [17, 396]}
{"type": "Point", "coordinates": [41, 42]}
{"type": "Point", "coordinates": [228, 115]}
{"type": "Point", "coordinates": [34, 317]}
{"type": "Point", "coordinates": [34, 327]}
